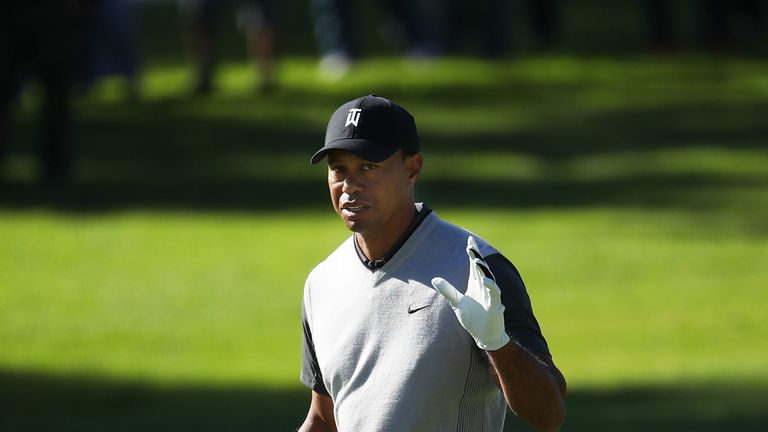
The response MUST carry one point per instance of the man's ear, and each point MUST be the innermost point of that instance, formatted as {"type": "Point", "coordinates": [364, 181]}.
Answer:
{"type": "Point", "coordinates": [413, 164]}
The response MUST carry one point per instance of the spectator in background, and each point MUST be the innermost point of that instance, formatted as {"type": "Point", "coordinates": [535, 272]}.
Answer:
{"type": "Point", "coordinates": [660, 25]}
{"type": "Point", "coordinates": [723, 25]}
{"type": "Point", "coordinates": [732, 25]}
{"type": "Point", "coordinates": [40, 40]}
{"type": "Point", "coordinates": [438, 20]}
{"type": "Point", "coordinates": [334, 36]}
{"type": "Point", "coordinates": [539, 16]}
{"type": "Point", "coordinates": [415, 28]}
{"type": "Point", "coordinates": [111, 44]}
{"type": "Point", "coordinates": [542, 18]}
{"type": "Point", "coordinates": [417, 23]}
{"type": "Point", "coordinates": [257, 20]}
{"type": "Point", "coordinates": [491, 21]}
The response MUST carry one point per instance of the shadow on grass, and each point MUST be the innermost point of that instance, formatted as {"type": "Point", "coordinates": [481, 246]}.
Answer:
{"type": "Point", "coordinates": [171, 156]}
{"type": "Point", "coordinates": [35, 402]}
{"type": "Point", "coordinates": [680, 191]}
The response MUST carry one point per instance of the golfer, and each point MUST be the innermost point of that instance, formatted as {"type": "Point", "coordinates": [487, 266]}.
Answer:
{"type": "Point", "coordinates": [413, 324]}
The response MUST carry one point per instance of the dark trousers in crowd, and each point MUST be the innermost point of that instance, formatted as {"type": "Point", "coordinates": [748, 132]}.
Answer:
{"type": "Point", "coordinates": [39, 41]}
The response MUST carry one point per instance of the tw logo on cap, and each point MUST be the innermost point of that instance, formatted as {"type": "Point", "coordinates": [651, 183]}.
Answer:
{"type": "Point", "coordinates": [353, 117]}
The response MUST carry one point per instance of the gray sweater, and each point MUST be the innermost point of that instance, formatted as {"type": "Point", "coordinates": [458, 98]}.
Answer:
{"type": "Point", "coordinates": [389, 350]}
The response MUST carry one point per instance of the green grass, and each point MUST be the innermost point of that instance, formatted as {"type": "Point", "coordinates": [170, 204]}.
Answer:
{"type": "Point", "coordinates": [632, 194]}
{"type": "Point", "coordinates": [636, 296]}
{"type": "Point", "coordinates": [158, 296]}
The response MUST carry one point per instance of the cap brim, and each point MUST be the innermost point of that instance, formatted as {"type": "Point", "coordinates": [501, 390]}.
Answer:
{"type": "Point", "coordinates": [370, 151]}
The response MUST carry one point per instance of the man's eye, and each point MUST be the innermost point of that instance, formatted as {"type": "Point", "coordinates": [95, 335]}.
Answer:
{"type": "Point", "coordinates": [368, 167]}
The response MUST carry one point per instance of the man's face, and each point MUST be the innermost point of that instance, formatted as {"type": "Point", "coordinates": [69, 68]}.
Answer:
{"type": "Point", "coordinates": [372, 197]}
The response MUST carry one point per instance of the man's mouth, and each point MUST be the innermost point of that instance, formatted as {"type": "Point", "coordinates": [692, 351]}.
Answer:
{"type": "Point", "coordinates": [352, 210]}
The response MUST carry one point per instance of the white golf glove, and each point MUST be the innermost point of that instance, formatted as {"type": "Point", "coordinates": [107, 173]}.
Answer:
{"type": "Point", "coordinates": [479, 310]}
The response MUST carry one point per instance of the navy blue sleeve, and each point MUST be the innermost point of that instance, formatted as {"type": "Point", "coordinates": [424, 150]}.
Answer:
{"type": "Point", "coordinates": [519, 321]}
{"type": "Point", "coordinates": [310, 369]}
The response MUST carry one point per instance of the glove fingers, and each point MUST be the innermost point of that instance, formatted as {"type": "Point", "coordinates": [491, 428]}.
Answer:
{"type": "Point", "coordinates": [483, 269]}
{"type": "Point", "coordinates": [473, 251]}
{"type": "Point", "coordinates": [475, 275]}
{"type": "Point", "coordinates": [478, 267]}
{"type": "Point", "coordinates": [447, 290]}
{"type": "Point", "coordinates": [493, 291]}
{"type": "Point", "coordinates": [485, 280]}
{"type": "Point", "coordinates": [472, 245]}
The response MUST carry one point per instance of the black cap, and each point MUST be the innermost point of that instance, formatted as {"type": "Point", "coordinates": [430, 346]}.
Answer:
{"type": "Point", "coordinates": [371, 127]}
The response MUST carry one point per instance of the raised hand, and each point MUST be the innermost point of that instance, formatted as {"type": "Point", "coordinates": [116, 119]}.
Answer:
{"type": "Point", "coordinates": [479, 309]}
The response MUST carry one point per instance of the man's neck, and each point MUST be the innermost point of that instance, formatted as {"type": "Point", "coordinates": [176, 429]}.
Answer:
{"type": "Point", "coordinates": [376, 245]}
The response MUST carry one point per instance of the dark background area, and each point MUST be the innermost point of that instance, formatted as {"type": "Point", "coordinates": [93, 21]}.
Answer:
{"type": "Point", "coordinates": [579, 27]}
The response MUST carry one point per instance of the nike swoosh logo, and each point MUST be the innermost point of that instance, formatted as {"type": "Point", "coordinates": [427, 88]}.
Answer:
{"type": "Point", "coordinates": [410, 311]}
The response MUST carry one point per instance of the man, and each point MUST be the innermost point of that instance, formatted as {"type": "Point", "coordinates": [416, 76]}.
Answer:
{"type": "Point", "coordinates": [200, 19]}
{"type": "Point", "coordinates": [413, 324]}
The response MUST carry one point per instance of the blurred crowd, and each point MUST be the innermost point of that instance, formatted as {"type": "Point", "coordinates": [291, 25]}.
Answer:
{"type": "Point", "coordinates": [71, 44]}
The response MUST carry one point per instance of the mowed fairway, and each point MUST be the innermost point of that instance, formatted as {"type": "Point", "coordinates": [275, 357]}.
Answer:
{"type": "Point", "coordinates": [162, 289]}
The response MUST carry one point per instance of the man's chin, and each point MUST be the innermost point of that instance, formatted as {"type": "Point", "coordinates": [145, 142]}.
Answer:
{"type": "Point", "coordinates": [355, 226]}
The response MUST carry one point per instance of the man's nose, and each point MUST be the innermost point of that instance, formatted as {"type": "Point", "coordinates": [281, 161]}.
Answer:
{"type": "Point", "coordinates": [352, 184]}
